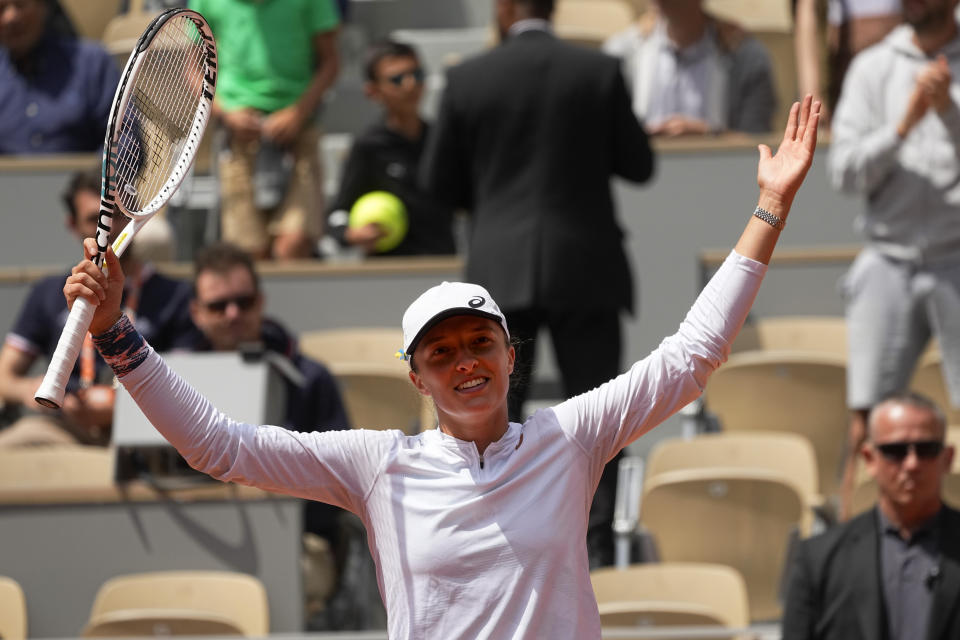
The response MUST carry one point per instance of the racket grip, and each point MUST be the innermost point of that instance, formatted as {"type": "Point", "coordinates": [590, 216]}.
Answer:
{"type": "Point", "coordinates": [51, 391]}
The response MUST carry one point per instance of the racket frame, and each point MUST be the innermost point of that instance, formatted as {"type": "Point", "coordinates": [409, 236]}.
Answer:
{"type": "Point", "coordinates": [53, 388]}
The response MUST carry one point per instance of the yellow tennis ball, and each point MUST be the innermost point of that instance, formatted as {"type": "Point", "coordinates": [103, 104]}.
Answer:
{"type": "Point", "coordinates": [385, 210]}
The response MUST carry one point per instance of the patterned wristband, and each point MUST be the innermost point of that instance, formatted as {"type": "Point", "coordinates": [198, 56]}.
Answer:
{"type": "Point", "coordinates": [122, 347]}
{"type": "Point", "coordinates": [769, 218]}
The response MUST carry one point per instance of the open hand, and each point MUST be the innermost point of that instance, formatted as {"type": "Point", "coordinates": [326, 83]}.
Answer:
{"type": "Point", "coordinates": [103, 290]}
{"type": "Point", "coordinates": [780, 176]}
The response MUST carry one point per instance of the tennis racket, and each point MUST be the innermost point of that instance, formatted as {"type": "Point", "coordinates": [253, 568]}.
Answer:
{"type": "Point", "coordinates": [157, 119]}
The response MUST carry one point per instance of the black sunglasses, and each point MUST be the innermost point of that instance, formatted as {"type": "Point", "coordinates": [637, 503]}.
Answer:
{"type": "Point", "coordinates": [244, 303]}
{"type": "Point", "coordinates": [897, 451]}
{"type": "Point", "coordinates": [398, 78]}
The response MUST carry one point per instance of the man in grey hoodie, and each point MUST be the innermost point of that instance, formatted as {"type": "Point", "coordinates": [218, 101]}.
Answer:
{"type": "Point", "coordinates": [896, 139]}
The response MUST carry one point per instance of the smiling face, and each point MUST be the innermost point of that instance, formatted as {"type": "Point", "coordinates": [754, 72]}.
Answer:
{"type": "Point", "coordinates": [464, 363]}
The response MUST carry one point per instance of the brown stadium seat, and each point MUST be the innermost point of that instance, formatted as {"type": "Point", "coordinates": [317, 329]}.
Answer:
{"type": "Point", "coordinates": [742, 518]}
{"type": "Point", "coordinates": [671, 593]}
{"type": "Point", "coordinates": [794, 391]}
{"type": "Point", "coordinates": [375, 384]}
{"type": "Point", "coordinates": [928, 380]}
{"type": "Point", "coordinates": [818, 334]}
{"type": "Point", "coordinates": [180, 603]}
{"type": "Point", "coordinates": [13, 610]}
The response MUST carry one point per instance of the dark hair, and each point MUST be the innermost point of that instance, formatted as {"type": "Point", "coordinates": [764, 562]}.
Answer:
{"type": "Point", "coordinates": [539, 8]}
{"type": "Point", "coordinates": [58, 20]}
{"type": "Point", "coordinates": [385, 49]}
{"type": "Point", "coordinates": [909, 399]}
{"type": "Point", "coordinates": [220, 258]}
{"type": "Point", "coordinates": [88, 180]}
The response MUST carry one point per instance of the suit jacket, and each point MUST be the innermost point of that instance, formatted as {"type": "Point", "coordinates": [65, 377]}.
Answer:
{"type": "Point", "coordinates": [835, 590]}
{"type": "Point", "coordinates": [527, 138]}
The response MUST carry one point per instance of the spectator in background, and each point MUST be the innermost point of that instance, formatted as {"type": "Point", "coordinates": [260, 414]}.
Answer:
{"type": "Point", "coordinates": [228, 308]}
{"type": "Point", "coordinates": [691, 73]}
{"type": "Point", "coordinates": [896, 139]}
{"type": "Point", "coordinates": [158, 304]}
{"type": "Point", "coordinates": [276, 62]}
{"type": "Point", "coordinates": [527, 139]}
{"type": "Point", "coordinates": [55, 89]}
{"type": "Point", "coordinates": [386, 157]}
{"type": "Point", "coordinates": [852, 26]}
{"type": "Point", "coordinates": [892, 572]}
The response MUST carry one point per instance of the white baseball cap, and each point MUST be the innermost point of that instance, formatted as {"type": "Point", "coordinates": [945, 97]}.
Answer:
{"type": "Point", "coordinates": [443, 301]}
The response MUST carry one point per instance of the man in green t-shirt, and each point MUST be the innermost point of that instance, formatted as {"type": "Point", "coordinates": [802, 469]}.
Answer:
{"type": "Point", "coordinates": [277, 58]}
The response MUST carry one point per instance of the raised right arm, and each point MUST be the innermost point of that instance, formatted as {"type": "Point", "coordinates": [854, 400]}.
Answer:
{"type": "Point", "coordinates": [338, 467]}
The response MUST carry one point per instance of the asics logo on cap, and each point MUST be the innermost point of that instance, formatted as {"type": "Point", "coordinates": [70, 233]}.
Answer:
{"type": "Point", "coordinates": [476, 302]}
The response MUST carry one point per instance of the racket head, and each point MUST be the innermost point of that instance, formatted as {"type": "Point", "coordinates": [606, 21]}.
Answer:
{"type": "Point", "coordinates": [160, 111]}
{"type": "Point", "coordinates": [157, 119]}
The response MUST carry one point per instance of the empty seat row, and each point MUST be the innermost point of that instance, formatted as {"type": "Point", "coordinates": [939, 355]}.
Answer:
{"type": "Point", "coordinates": [732, 499]}
{"type": "Point", "coordinates": [742, 500]}
{"type": "Point", "coordinates": [789, 374]}
{"type": "Point", "coordinates": [159, 603]}
{"type": "Point", "coordinates": [671, 594]}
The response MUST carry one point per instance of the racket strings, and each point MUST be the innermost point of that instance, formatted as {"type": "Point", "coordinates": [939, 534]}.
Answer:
{"type": "Point", "coordinates": [157, 120]}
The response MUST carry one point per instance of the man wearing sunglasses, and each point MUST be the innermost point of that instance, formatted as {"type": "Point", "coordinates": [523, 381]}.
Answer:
{"type": "Point", "coordinates": [386, 157]}
{"type": "Point", "coordinates": [892, 572]}
{"type": "Point", "coordinates": [228, 308]}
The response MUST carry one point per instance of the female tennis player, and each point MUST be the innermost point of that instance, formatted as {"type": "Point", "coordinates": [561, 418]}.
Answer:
{"type": "Point", "coordinates": [478, 527]}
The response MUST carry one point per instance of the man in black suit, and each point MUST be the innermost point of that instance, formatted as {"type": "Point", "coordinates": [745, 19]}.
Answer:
{"type": "Point", "coordinates": [527, 139]}
{"type": "Point", "coordinates": [893, 572]}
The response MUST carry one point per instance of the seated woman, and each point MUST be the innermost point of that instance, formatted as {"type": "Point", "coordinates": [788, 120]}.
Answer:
{"type": "Point", "coordinates": [478, 527]}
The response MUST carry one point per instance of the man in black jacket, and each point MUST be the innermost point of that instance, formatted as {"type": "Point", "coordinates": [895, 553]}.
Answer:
{"type": "Point", "coordinates": [892, 573]}
{"type": "Point", "coordinates": [527, 138]}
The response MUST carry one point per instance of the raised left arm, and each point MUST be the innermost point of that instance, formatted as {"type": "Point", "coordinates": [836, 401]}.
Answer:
{"type": "Point", "coordinates": [779, 177]}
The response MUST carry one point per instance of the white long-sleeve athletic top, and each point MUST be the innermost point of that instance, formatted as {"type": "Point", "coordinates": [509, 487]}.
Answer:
{"type": "Point", "coordinates": [463, 548]}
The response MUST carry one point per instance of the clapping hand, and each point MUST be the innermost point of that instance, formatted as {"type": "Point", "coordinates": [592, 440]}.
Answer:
{"type": "Point", "coordinates": [934, 82]}
{"type": "Point", "coordinates": [931, 90]}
